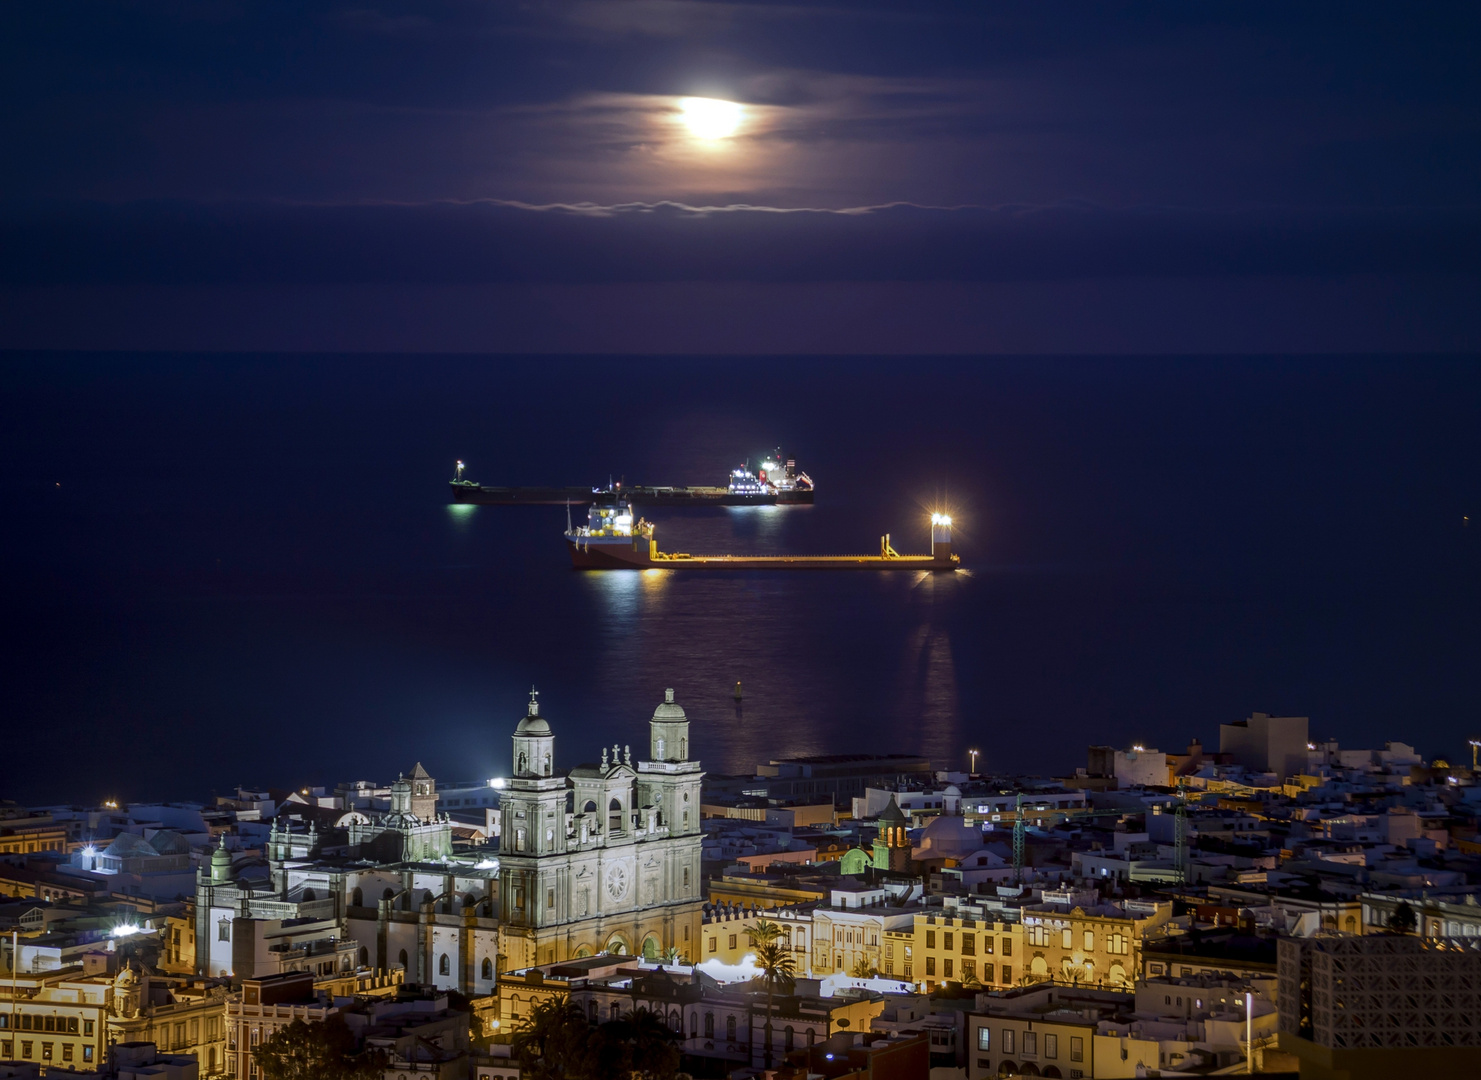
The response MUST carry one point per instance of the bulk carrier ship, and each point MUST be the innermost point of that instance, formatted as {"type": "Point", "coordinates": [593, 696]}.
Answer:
{"type": "Point", "coordinates": [613, 539]}
{"type": "Point", "coordinates": [777, 482]}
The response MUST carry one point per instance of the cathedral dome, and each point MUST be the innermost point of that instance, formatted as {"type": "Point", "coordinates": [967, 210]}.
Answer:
{"type": "Point", "coordinates": [533, 723]}
{"type": "Point", "coordinates": [669, 710]}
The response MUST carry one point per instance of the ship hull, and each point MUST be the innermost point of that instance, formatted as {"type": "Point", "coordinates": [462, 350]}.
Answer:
{"type": "Point", "coordinates": [624, 555]}
{"type": "Point", "coordinates": [479, 495]}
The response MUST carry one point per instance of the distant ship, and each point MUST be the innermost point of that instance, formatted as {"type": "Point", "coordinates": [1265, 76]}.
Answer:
{"type": "Point", "coordinates": [613, 538]}
{"type": "Point", "coordinates": [777, 482]}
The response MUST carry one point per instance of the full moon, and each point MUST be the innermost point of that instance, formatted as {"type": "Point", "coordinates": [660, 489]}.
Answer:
{"type": "Point", "coordinates": [711, 118]}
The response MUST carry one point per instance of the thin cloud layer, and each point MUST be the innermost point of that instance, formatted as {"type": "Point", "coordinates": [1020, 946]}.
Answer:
{"type": "Point", "coordinates": [494, 242]}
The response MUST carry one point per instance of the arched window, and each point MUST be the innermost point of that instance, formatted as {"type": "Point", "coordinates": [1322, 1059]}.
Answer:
{"type": "Point", "coordinates": [683, 749]}
{"type": "Point", "coordinates": [791, 1039]}
{"type": "Point", "coordinates": [694, 1025]}
{"type": "Point", "coordinates": [427, 896]}
{"type": "Point", "coordinates": [357, 898]}
{"type": "Point", "coordinates": [658, 749]}
{"type": "Point", "coordinates": [730, 1028]}
{"type": "Point", "coordinates": [309, 894]}
{"type": "Point", "coordinates": [444, 965]}
{"type": "Point", "coordinates": [709, 1025]}
{"type": "Point", "coordinates": [524, 761]}
{"type": "Point", "coordinates": [364, 956]}
{"type": "Point", "coordinates": [403, 958]}
{"type": "Point", "coordinates": [614, 817]}
{"type": "Point", "coordinates": [469, 900]}
{"type": "Point", "coordinates": [591, 1011]}
{"type": "Point", "coordinates": [547, 763]}
{"type": "Point", "coordinates": [589, 808]}
{"type": "Point", "coordinates": [686, 882]}
{"type": "Point", "coordinates": [488, 968]}
{"type": "Point", "coordinates": [388, 894]}
{"type": "Point", "coordinates": [614, 1013]}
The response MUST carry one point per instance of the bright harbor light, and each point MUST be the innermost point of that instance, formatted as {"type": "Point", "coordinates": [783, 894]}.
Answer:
{"type": "Point", "coordinates": [126, 930]}
{"type": "Point", "coordinates": [941, 519]}
{"type": "Point", "coordinates": [711, 118]}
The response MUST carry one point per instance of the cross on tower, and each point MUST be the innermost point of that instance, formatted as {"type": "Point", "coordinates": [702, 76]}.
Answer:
{"type": "Point", "coordinates": [534, 702]}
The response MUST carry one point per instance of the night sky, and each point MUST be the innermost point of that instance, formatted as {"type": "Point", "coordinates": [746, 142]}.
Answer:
{"type": "Point", "coordinates": [976, 177]}
{"type": "Point", "coordinates": [1176, 303]}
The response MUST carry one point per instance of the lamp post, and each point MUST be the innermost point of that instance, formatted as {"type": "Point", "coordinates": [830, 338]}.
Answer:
{"type": "Point", "coordinates": [1474, 744]}
{"type": "Point", "coordinates": [973, 755]}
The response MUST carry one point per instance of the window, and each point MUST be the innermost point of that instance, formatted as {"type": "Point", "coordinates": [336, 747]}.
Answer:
{"type": "Point", "coordinates": [1007, 1040]}
{"type": "Point", "coordinates": [969, 970]}
{"type": "Point", "coordinates": [709, 1025]}
{"type": "Point", "coordinates": [403, 958]}
{"type": "Point", "coordinates": [907, 973]}
{"type": "Point", "coordinates": [1090, 941]}
{"type": "Point", "coordinates": [1007, 974]}
{"type": "Point", "coordinates": [1077, 1048]}
{"type": "Point", "coordinates": [987, 940]}
{"type": "Point", "coordinates": [1007, 946]}
{"type": "Point", "coordinates": [686, 879]}
{"type": "Point", "coordinates": [488, 968]}
{"type": "Point", "coordinates": [946, 968]}
{"type": "Point", "coordinates": [984, 1038]}
{"type": "Point", "coordinates": [969, 944]}
{"type": "Point", "coordinates": [930, 966]}
{"type": "Point", "coordinates": [1067, 938]}
{"type": "Point", "coordinates": [732, 941]}
{"type": "Point", "coordinates": [223, 930]}
{"type": "Point", "coordinates": [1031, 1044]}
{"type": "Point", "coordinates": [889, 951]}
{"type": "Point", "coordinates": [791, 1040]}
{"type": "Point", "coordinates": [87, 1053]}
{"type": "Point", "coordinates": [1051, 1046]}
{"type": "Point", "coordinates": [713, 944]}
{"type": "Point", "coordinates": [987, 973]}
{"type": "Point", "coordinates": [730, 1028]}
{"type": "Point", "coordinates": [930, 939]}
{"type": "Point", "coordinates": [549, 899]}
{"type": "Point", "coordinates": [519, 839]}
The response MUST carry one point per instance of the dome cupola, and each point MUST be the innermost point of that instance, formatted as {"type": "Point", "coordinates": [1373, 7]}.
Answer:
{"type": "Point", "coordinates": [534, 743]}
{"type": "Point", "coordinates": [669, 731]}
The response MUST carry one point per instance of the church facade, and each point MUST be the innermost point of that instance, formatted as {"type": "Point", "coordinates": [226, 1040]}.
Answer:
{"type": "Point", "coordinates": [605, 858]}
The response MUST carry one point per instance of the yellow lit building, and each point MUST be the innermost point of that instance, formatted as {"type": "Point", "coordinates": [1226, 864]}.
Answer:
{"type": "Point", "coordinates": [960, 946]}
{"type": "Point", "coordinates": [1098, 945]}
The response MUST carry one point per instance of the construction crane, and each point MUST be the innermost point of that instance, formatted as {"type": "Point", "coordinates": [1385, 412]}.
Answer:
{"type": "Point", "coordinates": [1020, 827]}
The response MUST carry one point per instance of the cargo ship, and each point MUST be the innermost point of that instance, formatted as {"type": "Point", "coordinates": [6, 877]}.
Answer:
{"type": "Point", "coordinates": [614, 539]}
{"type": "Point", "coordinates": [777, 482]}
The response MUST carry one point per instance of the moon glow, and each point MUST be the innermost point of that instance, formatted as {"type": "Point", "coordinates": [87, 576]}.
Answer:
{"type": "Point", "coordinates": [710, 118]}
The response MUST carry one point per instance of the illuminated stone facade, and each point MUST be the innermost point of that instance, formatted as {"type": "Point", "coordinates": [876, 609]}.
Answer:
{"type": "Point", "coordinates": [605, 858]}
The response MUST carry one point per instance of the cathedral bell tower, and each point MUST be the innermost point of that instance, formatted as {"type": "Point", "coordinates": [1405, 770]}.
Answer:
{"type": "Point", "coordinates": [533, 827]}
{"type": "Point", "coordinates": [668, 731]}
{"type": "Point", "coordinates": [534, 744]}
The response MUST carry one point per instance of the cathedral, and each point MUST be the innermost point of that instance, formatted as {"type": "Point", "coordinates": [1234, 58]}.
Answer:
{"type": "Point", "coordinates": [605, 858]}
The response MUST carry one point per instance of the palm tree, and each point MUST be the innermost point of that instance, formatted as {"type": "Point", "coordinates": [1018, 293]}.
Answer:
{"type": "Point", "coordinates": [863, 969]}
{"type": "Point", "coordinates": [1403, 920]}
{"type": "Point", "coordinates": [778, 969]}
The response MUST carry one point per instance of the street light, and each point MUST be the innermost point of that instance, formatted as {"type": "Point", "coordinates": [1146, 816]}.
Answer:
{"type": "Point", "coordinates": [1474, 745]}
{"type": "Point", "coordinates": [973, 755]}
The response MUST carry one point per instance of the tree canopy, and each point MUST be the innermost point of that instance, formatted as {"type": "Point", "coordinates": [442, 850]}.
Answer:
{"type": "Point", "coordinates": [322, 1050]}
{"type": "Point", "coordinates": [558, 1042]}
